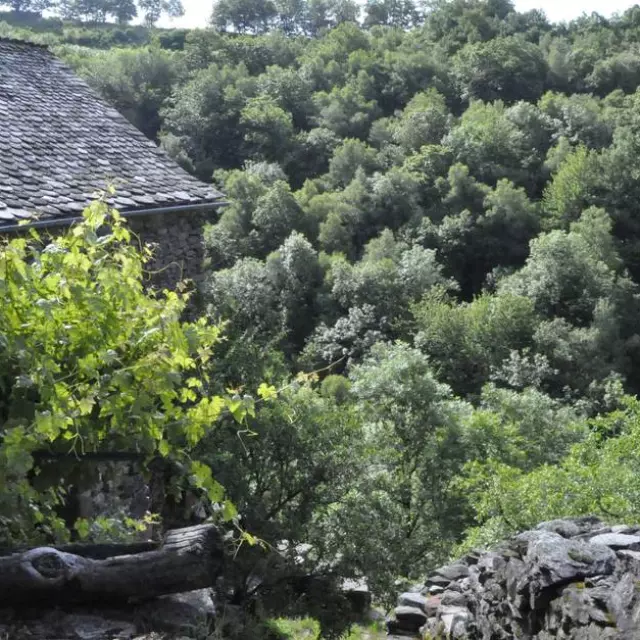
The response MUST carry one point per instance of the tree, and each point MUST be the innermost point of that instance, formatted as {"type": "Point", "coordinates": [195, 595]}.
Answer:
{"type": "Point", "coordinates": [459, 22]}
{"type": "Point", "coordinates": [524, 429]}
{"type": "Point", "coordinates": [95, 11]}
{"type": "Point", "coordinates": [345, 111]}
{"type": "Point", "coordinates": [467, 342]}
{"type": "Point", "coordinates": [387, 280]}
{"type": "Point", "coordinates": [348, 158]}
{"type": "Point", "coordinates": [245, 295]}
{"type": "Point", "coordinates": [291, 90]}
{"type": "Point", "coordinates": [621, 71]}
{"type": "Point", "coordinates": [402, 14]}
{"type": "Point", "coordinates": [268, 128]}
{"type": "Point", "coordinates": [243, 16]}
{"type": "Point", "coordinates": [123, 10]}
{"type": "Point", "coordinates": [491, 144]}
{"type": "Point", "coordinates": [597, 477]}
{"type": "Point", "coordinates": [509, 223]}
{"type": "Point", "coordinates": [372, 297]}
{"type": "Point", "coordinates": [291, 15]}
{"type": "Point", "coordinates": [22, 6]}
{"type": "Point", "coordinates": [290, 476]}
{"type": "Point", "coordinates": [276, 214]}
{"type": "Point", "coordinates": [136, 81]}
{"type": "Point", "coordinates": [566, 274]}
{"type": "Point", "coordinates": [204, 115]}
{"type": "Point", "coordinates": [319, 16]}
{"type": "Point", "coordinates": [230, 238]}
{"type": "Point", "coordinates": [405, 501]}
{"type": "Point", "coordinates": [579, 118]}
{"type": "Point", "coordinates": [508, 69]}
{"type": "Point", "coordinates": [153, 10]}
{"type": "Point", "coordinates": [424, 121]}
{"type": "Point", "coordinates": [572, 188]}
{"type": "Point", "coordinates": [270, 302]}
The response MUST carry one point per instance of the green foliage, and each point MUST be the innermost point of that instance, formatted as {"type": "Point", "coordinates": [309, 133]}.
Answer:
{"type": "Point", "coordinates": [299, 456]}
{"type": "Point", "coordinates": [345, 111]}
{"type": "Point", "coordinates": [205, 115]}
{"type": "Point", "coordinates": [424, 121]}
{"type": "Point", "coordinates": [464, 179]}
{"type": "Point", "coordinates": [506, 69]}
{"type": "Point", "coordinates": [93, 362]}
{"type": "Point", "coordinates": [597, 477]}
{"type": "Point", "coordinates": [567, 274]}
{"type": "Point", "coordinates": [376, 293]}
{"type": "Point", "coordinates": [467, 342]}
{"type": "Point", "coordinates": [153, 10]}
{"type": "Point", "coordinates": [136, 81]}
{"type": "Point", "coordinates": [243, 16]}
{"type": "Point", "coordinates": [309, 629]}
{"type": "Point", "coordinates": [404, 503]}
{"type": "Point", "coordinates": [492, 144]}
{"type": "Point", "coordinates": [571, 189]}
{"type": "Point", "coordinates": [523, 429]}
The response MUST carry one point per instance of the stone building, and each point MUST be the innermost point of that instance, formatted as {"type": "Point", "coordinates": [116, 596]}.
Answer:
{"type": "Point", "coordinates": [61, 145]}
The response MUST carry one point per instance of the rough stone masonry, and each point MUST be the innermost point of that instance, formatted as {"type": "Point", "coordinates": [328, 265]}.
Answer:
{"type": "Point", "coordinates": [573, 579]}
{"type": "Point", "coordinates": [177, 241]}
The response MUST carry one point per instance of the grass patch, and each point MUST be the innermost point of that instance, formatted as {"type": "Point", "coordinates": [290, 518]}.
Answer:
{"type": "Point", "coordinates": [309, 629]}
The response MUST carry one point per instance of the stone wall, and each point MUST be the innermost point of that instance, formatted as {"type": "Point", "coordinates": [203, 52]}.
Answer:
{"type": "Point", "coordinates": [573, 579]}
{"type": "Point", "coordinates": [177, 240]}
{"type": "Point", "coordinates": [178, 245]}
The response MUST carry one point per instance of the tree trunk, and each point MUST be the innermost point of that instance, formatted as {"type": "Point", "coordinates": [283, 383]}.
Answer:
{"type": "Point", "coordinates": [95, 551]}
{"type": "Point", "coordinates": [188, 559]}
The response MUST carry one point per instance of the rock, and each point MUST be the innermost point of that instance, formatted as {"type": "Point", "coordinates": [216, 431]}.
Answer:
{"type": "Point", "coordinates": [490, 564]}
{"type": "Point", "coordinates": [58, 625]}
{"type": "Point", "coordinates": [180, 613]}
{"type": "Point", "coordinates": [622, 595]}
{"type": "Point", "coordinates": [630, 559]}
{"type": "Point", "coordinates": [437, 581]}
{"type": "Point", "coordinates": [433, 590]}
{"type": "Point", "coordinates": [617, 541]}
{"type": "Point", "coordinates": [454, 599]}
{"type": "Point", "coordinates": [471, 558]}
{"type": "Point", "coordinates": [552, 560]}
{"type": "Point", "coordinates": [455, 621]}
{"type": "Point", "coordinates": [570, 527]}
{"type": "Point", "coordinates": [358, 594]}
{"type": "Point", "coordinates": [92, 627]}
{"type": "Point", "coordinates": [409, 618]}
{"type": "Point", "coordinates": [453, 572]}
{"type": "Point", "coordinates": [569, 579]}
{"type": "Point", "coordinates": [432, 605]}
{"type": "Point", "coordinates": [409, 599]}
{"type": "Point", "coordinates": [625, 528]}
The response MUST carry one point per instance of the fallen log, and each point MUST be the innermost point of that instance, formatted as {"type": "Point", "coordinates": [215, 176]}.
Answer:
{"type": "Point", "coordinates": [188, 559]}
{"type": "Point", "coordinates": [96, 551]}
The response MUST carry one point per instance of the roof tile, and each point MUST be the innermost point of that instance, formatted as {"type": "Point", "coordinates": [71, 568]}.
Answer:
{"type": "Point", "coordinates": [60, 143]}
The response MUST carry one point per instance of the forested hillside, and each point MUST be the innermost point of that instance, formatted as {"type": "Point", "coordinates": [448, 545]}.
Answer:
{"type": "Point", "coordinates": [432, 252]}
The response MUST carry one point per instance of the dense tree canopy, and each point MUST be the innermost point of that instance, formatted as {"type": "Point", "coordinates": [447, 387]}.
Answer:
{"type": "Point", "coordinates": [100, 11]}
{"type": "Point", "coordinates": [431, 250]}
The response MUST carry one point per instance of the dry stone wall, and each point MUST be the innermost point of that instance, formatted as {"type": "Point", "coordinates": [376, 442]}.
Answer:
{"type": "Point", "coordinates": [177, 240]}
{"type": "Point", "coordinates": [574, 579]}
{"type": "Point", "coordinates": [178, 245]}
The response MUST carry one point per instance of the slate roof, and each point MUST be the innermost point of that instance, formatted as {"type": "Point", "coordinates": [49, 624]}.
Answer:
{"type": "Point", "coordinates": [60, 143]}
